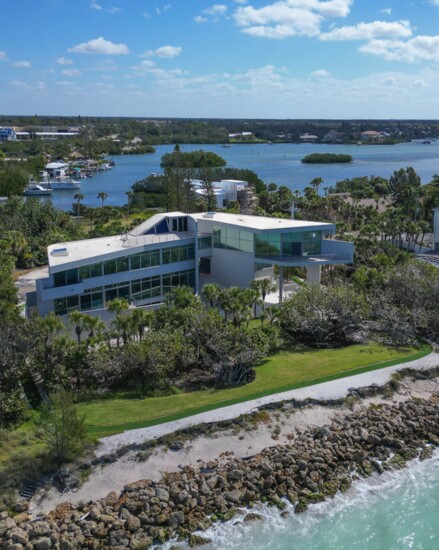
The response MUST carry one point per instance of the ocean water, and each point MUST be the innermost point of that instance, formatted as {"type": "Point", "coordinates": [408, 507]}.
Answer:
{"type": "Point", "coordinates": [278, 163]}
{"type": "Point", "coordinates": [394, 511]}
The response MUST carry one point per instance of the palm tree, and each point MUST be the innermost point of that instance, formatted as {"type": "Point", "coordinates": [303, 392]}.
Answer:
{"type": "Point", "coordinates": [263, 286]}
{"type": "Point", "coordinates": [211, 293]}
{"type": "Point", "coordinates": [95, 326]}
{"type": "Point", "coordinates": [121, 323]}
{"type": "Point", "coordinates": [102, 195]}
{"type": "Point", "coordinates": [316, 183]}
{"type": "Point", "coordinates": [78, 321]}
{"type": "Point", "coordinates": [141, 319]}
{"type": "Point", "coordinates": [78, 197]}
{"type": "Point", "coordinates": [118, 305]}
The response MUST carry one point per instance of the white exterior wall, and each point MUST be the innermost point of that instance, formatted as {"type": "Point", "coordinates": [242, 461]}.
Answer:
{"type": "Point", "coordinates": [232, 267]}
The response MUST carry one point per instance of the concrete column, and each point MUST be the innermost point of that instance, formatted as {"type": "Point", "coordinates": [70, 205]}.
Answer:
{"type": "Point", "coordinates": [281, 283]}
{"type": "Point", "coordinates": [313, 273]}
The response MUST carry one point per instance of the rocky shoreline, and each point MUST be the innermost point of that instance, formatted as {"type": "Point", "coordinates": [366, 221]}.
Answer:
{"type": "Point", "coordinates": [316, 464]}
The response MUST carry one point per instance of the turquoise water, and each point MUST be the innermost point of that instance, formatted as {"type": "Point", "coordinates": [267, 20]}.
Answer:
{"type": "Point", "coordinates": [278, 163]}
{"type": "Point", "coordinates": [396, 511]}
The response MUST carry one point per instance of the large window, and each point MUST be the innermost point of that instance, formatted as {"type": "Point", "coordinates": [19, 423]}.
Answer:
{"type": "Point", "coordinates": [63, 278]}
{"type": "Point", "coordinates": [179, 224]}
{"type": "Point", "coordinates": [232, 239]}
{"type": "Point", "coordinates": [149, 258]}
{"type": "Point", "coordinates": [204, 242]}
{"type": "Point", "coordinates": [142, 289]}
{"type": "Point", "coordinates": [312, 242]}
{"type": "Point", "coordinates": [143, 260]}
{"type": "Point", "coordinates": [301, 243]}
{"type": "Point", "coordinates": [180, 278]}
{"type": "Point", "coordinates": [178, 254]}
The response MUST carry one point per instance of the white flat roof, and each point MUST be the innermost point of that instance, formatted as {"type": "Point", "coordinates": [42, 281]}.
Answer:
{"type": "Point", "coordinates": [55, 165]}
{"type": "Point", "coordinates": [98, 249]}
{"type": "Point", "coordinates": [259, 222]}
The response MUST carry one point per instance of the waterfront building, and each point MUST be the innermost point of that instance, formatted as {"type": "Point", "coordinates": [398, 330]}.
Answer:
{"type": "Point", "coordinates": [7, 134]}
{"type": "Point", "coordinates": [175, 249]}
{"type": "Point", "coordinates": [225, 191]}
{"type": "Point", "coordinates": [308, 138]}
{"type": "Point", "coordinates": [371, 135]}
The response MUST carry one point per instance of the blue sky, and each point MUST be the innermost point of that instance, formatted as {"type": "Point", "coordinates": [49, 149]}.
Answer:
{"type": "Point", "coordinates": [231, 58]}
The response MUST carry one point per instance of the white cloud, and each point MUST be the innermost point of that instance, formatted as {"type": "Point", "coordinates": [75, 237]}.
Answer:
{"type": "Point", "coordinates": [100, 46]}
{"type": "Point", "coordinates": [200, 19]}
{"type": "Point", "coordinates": [369, 31]}
{"type": "Point", "coordinates": [95, 6]}
{"type": "Point", "coordinates": [22, 64]}
{"type": "Point", "coordinates": [420, 48]}
{"type": "Point", "coordinates": [240, 1]}
{"type": "Point", "coordinates": [164, 52]}
{"type": "Point", "coordinates": [387, 11]}
{"type": "Point", "coordinates": [18, 84]}
{"type": "Point", "coordinates": [216, 9]}
{"type": "Point", "coordinates": [64, 61]}
{"type": "Point", "coordinates": [321, 73]}
{"type": "Point", "coordinates": [390, 81]}
{"type": "Point", "coordinates": [146, 15]}
{"type": "Point", "coordinates": [421, 84]}
{"type": "Point", "coordinates": [71, 72]}
{"type": "Point", "coordinates": [3, 56]}
{"type": "Point", "coordinates": [435, 2]}
{"type": "Point", "coordinates": [114, 10]}
{"type": "Point", "coordinates": [289, 17]}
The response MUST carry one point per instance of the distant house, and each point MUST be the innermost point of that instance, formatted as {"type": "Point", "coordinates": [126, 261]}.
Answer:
{"type": "Point", "coordinates": [371, 135]}
{"type": "Point", "coordinates": [334, 137]}
{"type": "Point", "coordinates": [225, 191]}
{"type": "Point", "coordinates": [57, 169]}
{"type": "Point", "coordinates": [239, 135]}
{"type": "Point", "coordinates": [7, 134]}
{"type": "Point", "coordinates": [308, 138]}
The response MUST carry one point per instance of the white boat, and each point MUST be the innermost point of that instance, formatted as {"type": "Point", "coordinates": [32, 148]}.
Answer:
{"type": "Point", "coordinates": [35, 188]}
{"type": "Point", "coordinates": [63, 184]}
{"type": "Point", "coordinates": [59, 184]}
{"type": "Point", "coordinates": [226, 146]}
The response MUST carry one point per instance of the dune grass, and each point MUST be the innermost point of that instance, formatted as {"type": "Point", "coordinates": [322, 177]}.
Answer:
{"type": "Point", "coordinates": [281, 372]}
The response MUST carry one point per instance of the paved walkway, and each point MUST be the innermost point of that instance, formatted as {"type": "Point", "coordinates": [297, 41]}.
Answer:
{"type": "Point", "coordinates": [324, 391]}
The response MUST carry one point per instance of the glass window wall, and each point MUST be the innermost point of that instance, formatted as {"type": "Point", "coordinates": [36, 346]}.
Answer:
{"type": "Point", "coordinates": [232, 239]}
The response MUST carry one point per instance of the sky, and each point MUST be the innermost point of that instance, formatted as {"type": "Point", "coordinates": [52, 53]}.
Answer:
{"type": "Point", "coordinates": [283, 59]}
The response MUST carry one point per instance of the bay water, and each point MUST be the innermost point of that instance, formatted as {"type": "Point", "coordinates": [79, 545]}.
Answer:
{"type": "Point", "coordinates": [278, 163]}
{"type": "Point", "coordinates": [394, 511]}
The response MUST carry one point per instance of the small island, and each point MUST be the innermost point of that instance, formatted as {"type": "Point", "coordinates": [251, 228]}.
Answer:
{"type": "Point", "coordinates": [326, 158]}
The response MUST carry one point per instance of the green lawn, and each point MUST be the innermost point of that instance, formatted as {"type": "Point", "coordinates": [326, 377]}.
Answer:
{"type": "Point", "coordinates": [281, 372]}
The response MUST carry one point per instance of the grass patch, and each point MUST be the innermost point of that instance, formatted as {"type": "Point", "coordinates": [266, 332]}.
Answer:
{"type": "Point", "coordinates": [281, 372]}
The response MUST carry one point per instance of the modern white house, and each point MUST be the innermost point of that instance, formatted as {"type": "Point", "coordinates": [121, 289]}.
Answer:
{"type": "Point", "coordinates": [225, 191]}
{"type": "Point", "coordinates": [174, 249]}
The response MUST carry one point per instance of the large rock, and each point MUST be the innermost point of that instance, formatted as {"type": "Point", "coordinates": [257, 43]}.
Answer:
{"type": "Point", "coordinates": [18, 536]}
{"type": "Point", "coordinates": [5, 524]}
{"type": "Point", "coordinates": [39, 529]}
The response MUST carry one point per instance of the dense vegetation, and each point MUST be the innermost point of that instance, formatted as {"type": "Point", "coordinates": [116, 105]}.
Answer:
{"type": "Point", "coordinates": [28, 227]}
{"type": "Point", "coordinates": [194, 159]}
{"type": "Point", "coordinates": [326, 158]}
